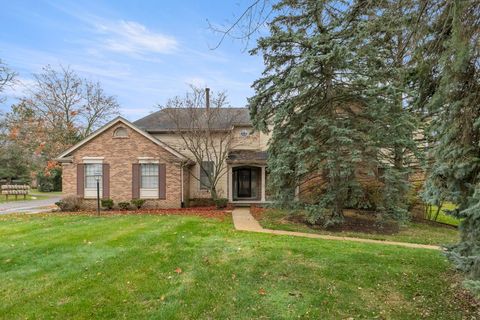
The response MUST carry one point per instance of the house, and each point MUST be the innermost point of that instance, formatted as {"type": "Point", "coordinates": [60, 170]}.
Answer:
{"type": "Point", "coordinates": [147, 159]}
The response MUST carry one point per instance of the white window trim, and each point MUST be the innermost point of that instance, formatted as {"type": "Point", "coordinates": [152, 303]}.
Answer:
{"type": "Point", "coordinates": [91, 193]}
{"type": "Point", "coordinates": [147, 160]}
{"type": "Point", "coordinates": [93, 159]}
{"type": "Point", "coordinates": [148, 193]}
{"type": "Point", "coordinates": [117, 130]}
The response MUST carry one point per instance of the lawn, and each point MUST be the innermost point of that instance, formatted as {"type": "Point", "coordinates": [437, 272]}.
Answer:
{"type": "Point", "coordinates": [412, 232]}
{"type": "Point", "coordinates": [181, 267]}
{"type": "Point", "coordinates": [53, 193]}
{"type": "Point", "coordinates": [442, 216]}
{"type": "Point", "coordinates": [11, 198]}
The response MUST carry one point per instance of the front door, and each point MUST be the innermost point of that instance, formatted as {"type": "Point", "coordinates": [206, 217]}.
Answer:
{"type": "Point", "coordinates": [244, 183]}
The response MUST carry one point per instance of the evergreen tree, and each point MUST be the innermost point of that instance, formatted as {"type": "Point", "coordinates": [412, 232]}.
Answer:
{"type": "Point", "coordinates": [450, 83]}
{"type": "Point", "coordinates": [334, 91]}
{"type": "Point", "coordinates": [384, 35]}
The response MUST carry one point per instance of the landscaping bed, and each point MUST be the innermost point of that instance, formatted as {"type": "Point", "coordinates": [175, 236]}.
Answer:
{"type": "Point", "coordinates": [358, 224]}
{"type": "Point", "coordinates": [206, 212]}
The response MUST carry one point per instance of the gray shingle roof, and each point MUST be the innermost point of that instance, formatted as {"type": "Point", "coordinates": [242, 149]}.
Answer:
{"type": "Point", "coordinates": [160, 121]}
{"type": "Point", "coordinates": [247, 155]}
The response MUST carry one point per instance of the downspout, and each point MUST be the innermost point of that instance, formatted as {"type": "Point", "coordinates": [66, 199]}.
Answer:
{"type": "Point", "coordinates": [182, 204]}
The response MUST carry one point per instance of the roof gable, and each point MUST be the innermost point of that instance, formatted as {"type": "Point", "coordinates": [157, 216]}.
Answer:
{"type": "Point", "coordinates": [131, 126]}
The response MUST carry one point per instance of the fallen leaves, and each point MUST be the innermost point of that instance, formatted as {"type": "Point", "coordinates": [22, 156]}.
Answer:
{"type": "Point", "coordinates": [262, 292]}
{"type": "Point", "coordinates": [204, 212]}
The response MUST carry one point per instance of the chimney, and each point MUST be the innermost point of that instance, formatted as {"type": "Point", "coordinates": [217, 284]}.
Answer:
{"type": "Point", "coordinates": [207, 98]}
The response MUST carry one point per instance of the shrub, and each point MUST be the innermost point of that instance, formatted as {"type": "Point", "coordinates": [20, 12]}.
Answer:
{"type": "Point", "coordinates": [51, 182]}
{"type": "Point", "coordinates": [70, 203]}
{"type": "Point", "coordinates": [45, 186]}
{"type": "Point", "coordinates": [107, 203]}
{"type": "Point", "coordinates": [202, 202]}
{"type": "Point", "coordinates": [124, 205]}
{"type": "Point", "coordinates": [138, 203]}
{"type": "Point", "coordinates": [221, 203]}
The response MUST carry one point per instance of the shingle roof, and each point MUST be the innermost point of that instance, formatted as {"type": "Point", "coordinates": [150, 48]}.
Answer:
{"type": "Point", "coordinates": [160, 120]}
{"type": "Point", "coordinates": [247, 155]}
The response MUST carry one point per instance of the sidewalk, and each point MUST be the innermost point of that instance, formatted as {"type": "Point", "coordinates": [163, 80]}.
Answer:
{"type": "Point", "coordinates": [244, 221]}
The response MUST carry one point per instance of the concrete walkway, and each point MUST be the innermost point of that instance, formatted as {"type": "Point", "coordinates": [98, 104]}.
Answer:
{"type": "Point", "coordinates": [244, 221]}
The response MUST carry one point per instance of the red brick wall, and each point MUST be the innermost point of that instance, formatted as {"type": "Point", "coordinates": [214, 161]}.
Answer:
{"type": "Point", "coordinates": [120, 154]}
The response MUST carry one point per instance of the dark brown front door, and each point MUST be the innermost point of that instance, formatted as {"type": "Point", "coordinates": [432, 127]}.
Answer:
{"type": "Point", "coordinates": [244, 183]}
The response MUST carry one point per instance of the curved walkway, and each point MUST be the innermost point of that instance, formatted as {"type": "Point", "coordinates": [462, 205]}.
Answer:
{"type": "Point", "coordinates": [244, 221]}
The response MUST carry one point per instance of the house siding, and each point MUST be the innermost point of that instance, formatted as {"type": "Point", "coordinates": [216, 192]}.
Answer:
{"type": "Point", "coordinates": [256, 141]}
{"type": "Point", "coordinates": [120, 154]}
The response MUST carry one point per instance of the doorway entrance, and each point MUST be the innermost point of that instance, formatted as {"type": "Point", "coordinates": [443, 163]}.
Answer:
{"type": "Point", "coordinates": [246, 183]}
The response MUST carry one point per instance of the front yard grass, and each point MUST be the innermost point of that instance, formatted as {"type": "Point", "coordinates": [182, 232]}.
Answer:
{"type": "Point", "coordinates": [181, 267]}
{"type": "Point", "coordinates": [413, 232]}
{"type": "Point", "coordinates": [11, 198]}
{"type": "Point", "coordinates": [53, 193]}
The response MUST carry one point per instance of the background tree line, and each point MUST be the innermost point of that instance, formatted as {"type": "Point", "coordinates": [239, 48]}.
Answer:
{"type": "Point", "coordinates": [57, 111]}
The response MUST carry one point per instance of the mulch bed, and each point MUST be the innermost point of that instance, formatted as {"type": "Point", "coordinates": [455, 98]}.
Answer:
{"type": "Point", "coordinates": [365, 223]}
{"type": "Point", "coordinates": [257, 212]}
{"type": "Point", "coordinates": [356, 221]}
{"type": "Point", "coordinates": [205, 212]}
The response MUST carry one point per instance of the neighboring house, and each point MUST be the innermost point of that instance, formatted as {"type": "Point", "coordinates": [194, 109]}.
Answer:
{"type": "Point", "coordinates": [148, 160]}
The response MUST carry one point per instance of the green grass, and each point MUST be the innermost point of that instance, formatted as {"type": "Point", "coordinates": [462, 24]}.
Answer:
{"type": "Point", "coordinates": [442, 216]}
{"type": "Point", "coordinates": [412, 232]}
{"type": "Point", "coordinates": [11, 198]}
{"type": "Point", "coordinates": [86, 267]}
{"type": "Point", "coordinates": [54, 193]}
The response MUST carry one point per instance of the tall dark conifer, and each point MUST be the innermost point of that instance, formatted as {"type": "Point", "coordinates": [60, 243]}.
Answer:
{"type": "Point", "coordinates": [335, 92]}
{"type": "Point", "coordinates": [450, 96]}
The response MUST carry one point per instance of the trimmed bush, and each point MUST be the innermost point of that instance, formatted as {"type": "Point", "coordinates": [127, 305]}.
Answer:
{"type": "Point", "coordinates": [137, 203]}
{"type": "Point", "coordinates": [107, 203]}
{"type": "Point", "coordinates": [70, 203]}
{"type": "Point", "coordinates": [221, 203]}
{"type": "Point", "coordinates": [124, 205]}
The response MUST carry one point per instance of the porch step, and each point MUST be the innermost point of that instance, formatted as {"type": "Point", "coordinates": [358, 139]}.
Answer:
{"type": "Point", "coordinates": [241, 205]}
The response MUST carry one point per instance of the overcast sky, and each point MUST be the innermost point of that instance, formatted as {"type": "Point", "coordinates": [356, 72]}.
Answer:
{"type": "Point", "coordinates": [143, 52]}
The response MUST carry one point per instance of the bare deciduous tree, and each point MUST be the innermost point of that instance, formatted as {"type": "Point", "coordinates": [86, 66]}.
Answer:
{"type": "Point", "coordinates": [70, 106]}
{"type": "Point", "coordinates": [7, 76]}
{"type": "Point", "coordinates": [246, 24]}
{"type": "Point", "coordinates": [205, 128]}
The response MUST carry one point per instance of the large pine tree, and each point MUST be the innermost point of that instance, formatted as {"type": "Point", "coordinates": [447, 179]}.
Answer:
{"type": "Point", "coordinates": [450, 95]}
{"type": "Point", "coordinates": [334, 92]}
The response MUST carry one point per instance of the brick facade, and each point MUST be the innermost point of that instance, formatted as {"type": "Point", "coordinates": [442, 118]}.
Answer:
{"type": "Point", "coordinates": [120, 154]}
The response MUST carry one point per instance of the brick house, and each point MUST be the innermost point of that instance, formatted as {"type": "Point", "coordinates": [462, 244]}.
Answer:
{"type": "Point", "coordinates": [146, 160]}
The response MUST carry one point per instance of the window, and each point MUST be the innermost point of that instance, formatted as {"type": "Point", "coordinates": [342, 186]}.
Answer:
{"type": "Point", "coordinates": [149, 176]}
{"type": "Point", "coordinates": [92, 172]}
{"type": "Point", "coordinates": [120, 133]}
{"type": "Point", "coordinates": [244, 133]}
{"type": "Point", "coordinates": [206, 171]}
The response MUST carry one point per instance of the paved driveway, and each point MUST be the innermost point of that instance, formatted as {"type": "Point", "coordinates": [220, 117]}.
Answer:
{"type": "Point", "coordinates": [29, 206]}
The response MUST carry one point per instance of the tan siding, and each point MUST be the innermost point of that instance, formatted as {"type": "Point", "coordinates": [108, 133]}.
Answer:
{"type": "Point", "coordinates": [255, 141]}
